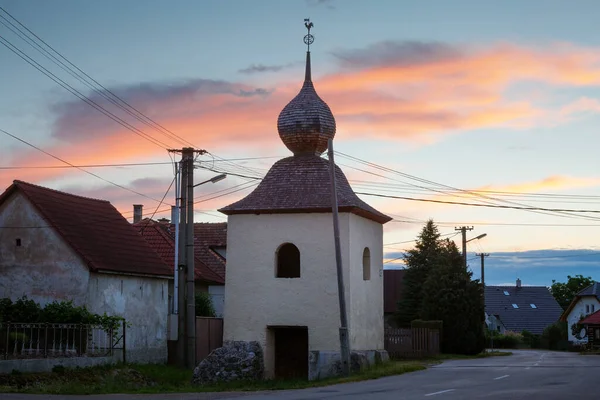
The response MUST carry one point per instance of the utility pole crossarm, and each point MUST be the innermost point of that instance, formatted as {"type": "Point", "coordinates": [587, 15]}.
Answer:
{"type": "Point", "coordinates": [463, 230]}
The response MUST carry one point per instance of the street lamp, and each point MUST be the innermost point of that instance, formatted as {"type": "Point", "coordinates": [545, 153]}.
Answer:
{"type": "Point", "coordinates": [477, 237]}
{"type": "Point", "coordinates": [214, 179]}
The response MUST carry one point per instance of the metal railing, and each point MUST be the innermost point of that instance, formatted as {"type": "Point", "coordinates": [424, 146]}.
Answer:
{"type": "Point", "coordinates": [41, 340]}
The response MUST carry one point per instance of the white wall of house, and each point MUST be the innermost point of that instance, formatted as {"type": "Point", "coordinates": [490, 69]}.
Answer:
{"type": "Point", "coordinates": [584, 307]}
{"type": "Point", "coordinates": [143, 302]}
{"type": "Point", "coordinates": [256, 299]}
{"type": "Point", "coordinates": [217, 294]}
{"type": "Point", "coordinates": [366, 296]}
{"type": "Point", "coordinates": [44, 268]}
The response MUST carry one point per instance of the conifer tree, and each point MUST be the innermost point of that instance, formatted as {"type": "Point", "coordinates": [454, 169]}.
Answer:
{"type": "Point", "coordinates": [418, 262]}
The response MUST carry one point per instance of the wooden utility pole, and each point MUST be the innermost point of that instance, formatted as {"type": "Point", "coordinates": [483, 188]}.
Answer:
{"type": "Point", "coordinates": [464, 230]}
{"type": "Point", "coordinates": [186, 299]}
{"type": "Point", "coordinates": [344, 336]}
{"type": "Point", "coordinates": [188, 156]}
{"type": "Point", "coordinates": [483, 256]}
{"type": "Point", "coordinates": [182, 257]}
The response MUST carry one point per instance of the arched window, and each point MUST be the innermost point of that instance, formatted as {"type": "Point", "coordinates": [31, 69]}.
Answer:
{"type": "Point", "coordinates": [366, 264]}
{"type": "Point", "coordinates": [288, 261]}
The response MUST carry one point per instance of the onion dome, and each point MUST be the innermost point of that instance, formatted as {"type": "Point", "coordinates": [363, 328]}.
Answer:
{"type": "Point", "coordinates": [306, 123]}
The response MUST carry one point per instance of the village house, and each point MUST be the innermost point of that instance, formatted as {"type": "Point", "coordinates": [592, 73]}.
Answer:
{"type": "Point", "coordinates": [281, 282]}
{"type": "Point", "coordinates": [586, 302]}
{"type": "Point", "coordinates": [59, 246]}
{"type": "Point", "coordinates": [520, 308]}
{"type": "Point", "coordinates": [209, 264]}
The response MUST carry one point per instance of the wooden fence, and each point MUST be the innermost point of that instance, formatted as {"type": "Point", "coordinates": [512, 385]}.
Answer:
{"type": "Point", "coordinates": [412, 342]}
{"type": "Point", "coordinates": [209, 336]}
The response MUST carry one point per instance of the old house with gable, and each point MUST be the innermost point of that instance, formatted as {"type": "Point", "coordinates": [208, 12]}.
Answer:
{"type": "Point", "coordinates": [586, 302]}
{"type": "Point", "coordinates": [281, 282]}
{"type": "Point", "coordinates": [59, 246]}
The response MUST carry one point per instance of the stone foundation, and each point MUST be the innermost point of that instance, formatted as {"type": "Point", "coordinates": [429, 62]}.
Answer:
{"type": "Point", "coordinates": [326, 364]}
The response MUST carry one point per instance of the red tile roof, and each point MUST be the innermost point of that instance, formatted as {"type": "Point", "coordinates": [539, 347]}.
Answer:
{"type": "Point", "coordinates": [208, 237]}
{"type": "Point", "coordinates": [161, 237]}
{"type": "Point", "coordinates": [592, 319]}
{"type": "Point", "coordinates": [301, 184]}
{"type": "Point", "coordinates": [94, 229]}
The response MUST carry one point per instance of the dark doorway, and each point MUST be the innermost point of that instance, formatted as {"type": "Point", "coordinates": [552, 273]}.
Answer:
{"type": "Point", "coordinates": [291, 352]}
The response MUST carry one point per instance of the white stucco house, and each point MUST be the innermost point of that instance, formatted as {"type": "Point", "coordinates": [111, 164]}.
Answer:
{"type": "Point", "coordinates": [59, 246]}
{"type": "Point", "coordinates": [586, 302]}
{"type": "Point", "coordinates": [281, 281]}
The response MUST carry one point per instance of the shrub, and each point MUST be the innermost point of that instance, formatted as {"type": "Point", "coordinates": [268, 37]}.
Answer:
{"type": "Point", "coordinates": [508, 340]}
{"type": "Point", "coordinates": [28, 311]}
{"type": "Point", "coordinates": [555, 337]}
{"type": "Point", "coordinates": [419, 323]}
{"type": "Point", "coordinates": [531, 340]}
{"type": "Point", "coordinates": [204, 305]}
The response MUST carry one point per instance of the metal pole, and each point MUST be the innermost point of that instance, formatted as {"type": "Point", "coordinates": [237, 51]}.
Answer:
{"type": "Point", "coordinates": [181, 348]}
{"type": "Point", "coordinates": [344, 337]}
{"type": "Point", "coordinates": [189, 237]}
{"type": "Point", "coordinates": [176, 222]}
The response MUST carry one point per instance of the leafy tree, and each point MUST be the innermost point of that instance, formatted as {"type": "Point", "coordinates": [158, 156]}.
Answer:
{"type": "Point", "coordinates": [564, 293]}
{"type": "Point", "coordinates": [419, 262]}
{"type": "Point", "coordinates": [204, 305]}
{"type": "Point", "coordinates": [450, 295]}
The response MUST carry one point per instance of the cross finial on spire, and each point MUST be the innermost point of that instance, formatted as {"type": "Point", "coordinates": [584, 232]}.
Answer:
{"type": "Point", "coordinates": [308, 38]}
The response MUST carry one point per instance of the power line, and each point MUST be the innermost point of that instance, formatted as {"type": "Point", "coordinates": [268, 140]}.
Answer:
{"type": "Point", "coordinates": [88, 166]}
{"type": "Point", "coordinates": [74, 166]}
{"type": "Point", "coordinates": [523, 206]}
{"type": "Point", "coordinates": [478, 205]}
{"type": "Point", "coordinates": [159, 204]}
{"type": "Point", "coordinates": [81, 76]}
{"type": "Point", "coordinates": [588, 254]}
{"type": "Point", "coordinates": [79, 95]}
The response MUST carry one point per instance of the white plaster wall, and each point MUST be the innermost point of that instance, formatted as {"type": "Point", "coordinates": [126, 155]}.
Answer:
{"type": "Point", "coordinates": [143, 302]}
{"type": "Point", "coordinates": [578, 311]}
{"type": "Point", "coordinates": [44, 267]}
{"type": "Point", "coordinates": [255, 298]}
{"type": "Point", "coordinates": [366, 296]}
{"type": "Point", "coordinates": [217, 294]}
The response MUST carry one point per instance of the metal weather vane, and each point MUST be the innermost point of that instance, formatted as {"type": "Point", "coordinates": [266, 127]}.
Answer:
{"type": "Point", "coordinates": [308, 38]}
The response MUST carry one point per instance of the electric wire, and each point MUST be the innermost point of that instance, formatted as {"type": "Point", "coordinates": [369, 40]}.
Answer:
{"type": "Point", "coordinates": [81, 96]}
{"type": "Point", "coordinates": [74, 166]}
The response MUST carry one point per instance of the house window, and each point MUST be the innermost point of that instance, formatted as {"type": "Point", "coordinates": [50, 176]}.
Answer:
{"type": "Point", "coordinates": [366, 264]}
{"type": "Point", "coordinates": [593, 307]}
{"type": "Point", "coordinates": [506, 293]}
{"type": "Point", "coordinates": [587, 308]}
{"type": "Point", "coordinates": [597, 333]}
{"type": "Point", "coordinates": [18, 242]}
{"type": "Point", "coordinates": [288, 261]}
{"type": "Point", "coordinates": [515, 306]}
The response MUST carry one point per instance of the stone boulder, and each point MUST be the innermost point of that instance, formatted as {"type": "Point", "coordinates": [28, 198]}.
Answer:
{"type": "Point", "coordinates": [234, 361]}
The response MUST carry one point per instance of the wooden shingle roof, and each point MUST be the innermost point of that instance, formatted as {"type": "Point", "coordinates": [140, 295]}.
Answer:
{"type": "Point", "coordinates": [301, 184]}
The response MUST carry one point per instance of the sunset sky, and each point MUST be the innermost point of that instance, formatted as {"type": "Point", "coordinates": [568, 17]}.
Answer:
{"type": "Point", "coordinates": [498, 97]}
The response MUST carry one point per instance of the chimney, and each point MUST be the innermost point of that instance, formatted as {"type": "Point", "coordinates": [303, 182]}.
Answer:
{"type": "Point", "coordinates": [518, 283]}
{"type": "Point", "coordinates": [137, 212]}
{"type": "Point", "coordinates": [173, 214]}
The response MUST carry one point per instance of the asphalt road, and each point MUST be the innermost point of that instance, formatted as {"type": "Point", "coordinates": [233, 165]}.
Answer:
{"type": "Point", "coordinates": [526, 374]}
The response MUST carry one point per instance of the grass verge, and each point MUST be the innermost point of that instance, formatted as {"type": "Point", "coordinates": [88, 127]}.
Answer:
{"type": "Point", "coordinates": [166, 379]}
